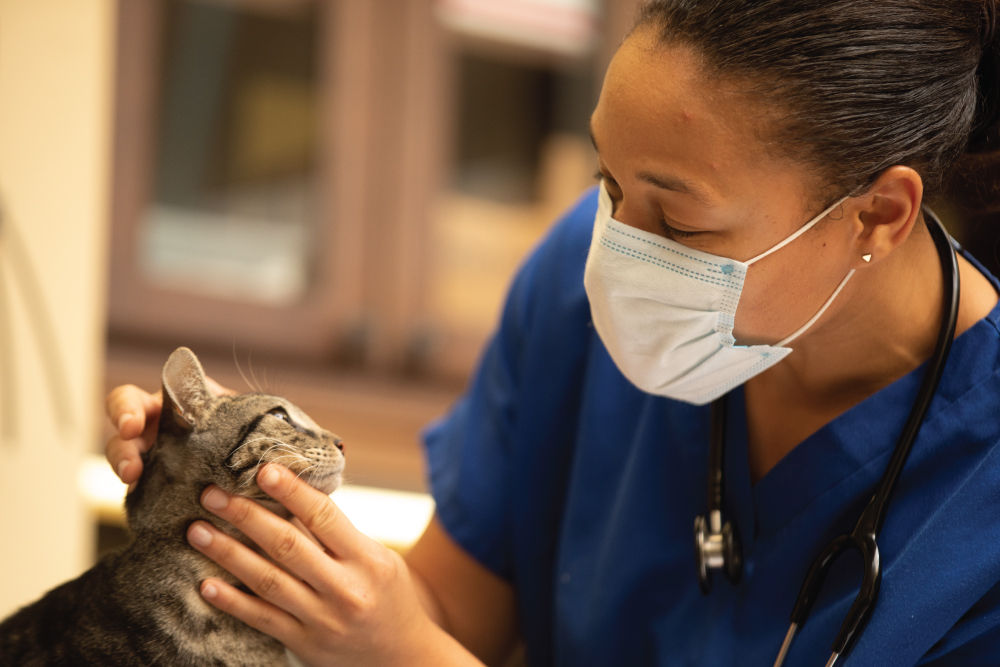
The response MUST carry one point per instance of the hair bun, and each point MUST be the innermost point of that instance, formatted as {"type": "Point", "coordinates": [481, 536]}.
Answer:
{"type": "Point", "coordinates": [985, 134]}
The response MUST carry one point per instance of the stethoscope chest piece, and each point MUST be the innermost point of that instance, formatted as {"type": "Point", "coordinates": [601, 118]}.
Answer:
{"type": "Point", "coordinates": [716, 547]}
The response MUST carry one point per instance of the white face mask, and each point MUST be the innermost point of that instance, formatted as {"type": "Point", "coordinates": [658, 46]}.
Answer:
{"type": "Point", "coordinates": [665, 312]}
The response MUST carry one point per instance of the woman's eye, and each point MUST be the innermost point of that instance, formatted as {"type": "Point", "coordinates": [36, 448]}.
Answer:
{"type": "Point", "coordinates": [280, 414]}
{"type": "Point", "coordinates": [609, 182]}
{"type": "Point", "coordinates": [674, 233]}
{"type": "Point", "coordinates": [667, 230]}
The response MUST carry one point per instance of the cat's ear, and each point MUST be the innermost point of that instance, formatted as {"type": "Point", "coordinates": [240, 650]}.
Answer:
{"type": "Point", "coordinates": [186, 396]}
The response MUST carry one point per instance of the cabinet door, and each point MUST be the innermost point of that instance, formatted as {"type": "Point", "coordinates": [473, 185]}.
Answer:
{"type": "Point", "coordinates": [344, 179]}
{"type": "Point", "coordinates": [522, 79]}
{"type": "Point", "coordinates": [237, 173]}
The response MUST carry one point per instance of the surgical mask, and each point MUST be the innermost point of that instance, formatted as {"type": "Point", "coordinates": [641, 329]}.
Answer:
{"type": "Point", "coordinates": [665, 312]}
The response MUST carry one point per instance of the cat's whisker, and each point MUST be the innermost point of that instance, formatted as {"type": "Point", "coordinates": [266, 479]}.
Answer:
{"type": "Point", "coordinates": [290, 455]}
{"type": "Point", "coordinates": [256, 440]}
{"type": "Point", "coordinates": [279, 444]}
{"type": "Point", "coordinates": [261, 438]}
{"type": "Point", "coordinates": [236, 361]}
{"type": "Point", "coordinates": [283, 453]}
{"type": "Point", "coordinates": [292, 458]}
{"type": "Point", "coordinates": [309, 468]}
{"type": "Point", "coordinates": [260, 388]}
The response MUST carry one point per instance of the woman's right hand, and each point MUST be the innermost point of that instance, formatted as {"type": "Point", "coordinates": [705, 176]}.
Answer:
{"type": "Point", "coordinates": [134, 414]}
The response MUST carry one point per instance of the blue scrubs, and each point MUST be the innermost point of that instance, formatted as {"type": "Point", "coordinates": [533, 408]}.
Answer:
{"type": "Point", "coordinates": [580, 490]}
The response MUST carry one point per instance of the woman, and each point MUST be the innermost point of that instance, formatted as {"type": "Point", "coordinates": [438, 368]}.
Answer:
{"type": "Point", "coordinates": [788, 147]}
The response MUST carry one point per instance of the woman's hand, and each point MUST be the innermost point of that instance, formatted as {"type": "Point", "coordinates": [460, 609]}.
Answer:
{"type": "Point", "coordinates": [134, 414]}
{"type": "Point", "coordinates": [343, 599]}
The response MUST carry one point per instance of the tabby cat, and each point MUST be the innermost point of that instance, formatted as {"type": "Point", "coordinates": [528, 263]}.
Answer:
{"type": "Point", "coordinates": [141, 605]}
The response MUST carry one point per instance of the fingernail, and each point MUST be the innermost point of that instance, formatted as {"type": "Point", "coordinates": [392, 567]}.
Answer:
{"type": "Point", "coordinates": [209, 590]}
{"type": "Point", "coordinates": [121, 470]}
{"type": "Point", "coordinates": [131, 488]}
{"type": "Point", "coordinates": [124, 419]}
{"type": "Point", "coordinates": [269, 476]}
{"type": "Point", "coordinates": [199, 536]}
{"type": "Point", "coordinates": [215, 500]}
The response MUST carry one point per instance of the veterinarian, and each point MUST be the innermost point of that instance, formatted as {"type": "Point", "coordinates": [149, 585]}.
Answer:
{"type": "Point", "coordinates": [751, 328]}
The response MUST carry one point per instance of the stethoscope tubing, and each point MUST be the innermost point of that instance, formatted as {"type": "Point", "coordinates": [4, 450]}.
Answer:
{"type": "Point", "coordinates": [863, 537]}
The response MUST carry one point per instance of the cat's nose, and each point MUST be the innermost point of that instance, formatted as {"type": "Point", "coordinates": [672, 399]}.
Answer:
{"type": "Point", "coordinates": [339, 444]}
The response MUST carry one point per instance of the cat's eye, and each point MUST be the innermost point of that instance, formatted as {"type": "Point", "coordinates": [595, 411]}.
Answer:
{"type": "Point", "coordinates": [280, 414]}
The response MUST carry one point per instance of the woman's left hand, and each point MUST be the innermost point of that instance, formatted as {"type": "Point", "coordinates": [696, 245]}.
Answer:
{"type": "Point", "coordinates": [344, 599]}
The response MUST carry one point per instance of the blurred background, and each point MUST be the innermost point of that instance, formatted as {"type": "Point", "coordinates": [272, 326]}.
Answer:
{"type": "Point", "coordinates": [323, 198]}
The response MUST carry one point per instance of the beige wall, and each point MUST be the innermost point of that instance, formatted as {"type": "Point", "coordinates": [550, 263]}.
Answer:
{"type": "Point", "coordinates": [55, 92]}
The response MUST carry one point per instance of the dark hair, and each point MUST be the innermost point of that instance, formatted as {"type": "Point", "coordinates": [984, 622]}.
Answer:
{"type": "Point", "coordinates": [860, 85]}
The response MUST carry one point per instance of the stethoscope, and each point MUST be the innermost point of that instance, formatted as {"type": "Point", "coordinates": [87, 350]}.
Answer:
{"type": "Point", "coordinates": [717, 545]}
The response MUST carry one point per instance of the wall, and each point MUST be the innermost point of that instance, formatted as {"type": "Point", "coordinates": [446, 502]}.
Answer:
{"type": "Point", "coordinates": [55, 86]}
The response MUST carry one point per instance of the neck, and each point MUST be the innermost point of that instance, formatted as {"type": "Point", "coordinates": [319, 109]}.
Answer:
{"type": "Point", "coordinates": [164, 503]}
{"type": "Point", "coordinates": [883, 326]}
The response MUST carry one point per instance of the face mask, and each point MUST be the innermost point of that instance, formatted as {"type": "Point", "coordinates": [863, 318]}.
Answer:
{"type": "Point", "coordinates": [665, 312]}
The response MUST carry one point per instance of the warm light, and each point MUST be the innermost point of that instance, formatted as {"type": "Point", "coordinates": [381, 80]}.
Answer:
{"type": "Point", "coordinates": [395, 518]}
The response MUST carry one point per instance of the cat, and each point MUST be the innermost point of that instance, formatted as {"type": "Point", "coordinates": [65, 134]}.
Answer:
{"type": "Point", "coordinates": [141, 605]}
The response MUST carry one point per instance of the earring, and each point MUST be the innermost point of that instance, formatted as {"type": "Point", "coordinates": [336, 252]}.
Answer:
{"type": "Point", "coordinates": [867, 257]}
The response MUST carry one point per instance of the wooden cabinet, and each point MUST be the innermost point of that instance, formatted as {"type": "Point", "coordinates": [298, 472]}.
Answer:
{"type": "Point", "coordinates": [341, 181]}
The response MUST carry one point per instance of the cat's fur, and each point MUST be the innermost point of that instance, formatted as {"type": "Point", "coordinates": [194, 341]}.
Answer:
{"type": "Point", "coordinates": [141, 605]}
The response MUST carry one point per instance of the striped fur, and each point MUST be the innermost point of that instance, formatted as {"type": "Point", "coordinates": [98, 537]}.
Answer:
{"type": "Point", "coordinates": [140, 605]}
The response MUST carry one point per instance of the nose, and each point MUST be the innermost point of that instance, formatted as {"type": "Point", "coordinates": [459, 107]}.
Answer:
{"type": "Point", "coordinates": [339, 444]}
{"type": "Point", "coordinates": [623, 214]}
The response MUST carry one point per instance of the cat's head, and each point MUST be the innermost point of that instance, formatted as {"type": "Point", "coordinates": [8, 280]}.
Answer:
{"type": "Point", "coordinates": [224, 440]}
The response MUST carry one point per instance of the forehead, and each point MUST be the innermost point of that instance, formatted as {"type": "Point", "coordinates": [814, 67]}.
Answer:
{"type": "Point", "coordinates": [248, 406]}
{"type": "Point", "coordinates": [662, 109]}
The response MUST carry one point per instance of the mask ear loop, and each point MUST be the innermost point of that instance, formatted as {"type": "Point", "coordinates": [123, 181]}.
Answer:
{"type": "Point", "coordinates": [799, 232]}
{"type": "Point", "coordinates": [819, 313]}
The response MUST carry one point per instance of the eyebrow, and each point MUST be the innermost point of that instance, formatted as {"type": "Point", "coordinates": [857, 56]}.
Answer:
{"type": "Point", "coordinates": [664, 182]}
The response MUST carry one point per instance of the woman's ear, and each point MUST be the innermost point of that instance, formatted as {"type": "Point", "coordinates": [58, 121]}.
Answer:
{"type": "Point", "coordinates": [888, 212]}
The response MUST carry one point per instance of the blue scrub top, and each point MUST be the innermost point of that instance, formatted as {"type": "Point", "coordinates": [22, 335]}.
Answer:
{"type": "Point", "coordinates": [580, 490]}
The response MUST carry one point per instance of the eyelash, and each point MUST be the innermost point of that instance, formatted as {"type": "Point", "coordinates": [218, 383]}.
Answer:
{"type": "Point", "coordinates": [673, 232]}
{"type": "Point", "coordinates": [668, 231]}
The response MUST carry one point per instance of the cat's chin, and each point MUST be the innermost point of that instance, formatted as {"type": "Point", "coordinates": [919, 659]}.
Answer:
{"type": "Point", "coordinates": [326, 482]}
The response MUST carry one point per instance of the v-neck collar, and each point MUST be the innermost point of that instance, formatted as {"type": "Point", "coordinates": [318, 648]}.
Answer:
{"type": "Point", "coordinates": [854, 443]}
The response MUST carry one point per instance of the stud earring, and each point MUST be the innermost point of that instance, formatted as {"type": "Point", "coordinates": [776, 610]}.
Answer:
{"type": "Point", "coordinates": [867, 257]}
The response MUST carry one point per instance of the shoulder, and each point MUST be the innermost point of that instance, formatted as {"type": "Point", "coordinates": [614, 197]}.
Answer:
{"type": "Point", "coordinates": [946, 567]}
{"type": "Point", "coordinates": [511, 425]}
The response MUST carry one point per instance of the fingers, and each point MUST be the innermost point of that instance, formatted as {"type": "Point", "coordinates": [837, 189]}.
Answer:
{"type": "Point", "coordinates": [253, 611]}
{"type": "Point", "coordinates": [125, 457]}
{"type": "Point", "coordinates": [279, 539]}
{"type": "Point", "coordinates": [134, 413]}
{"type": "Point", "coordinates": [314, 509]}
{"type": "Point", "coordinates": [267, 580]}
{"type": "Point", "coordinates": [129, 408]}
